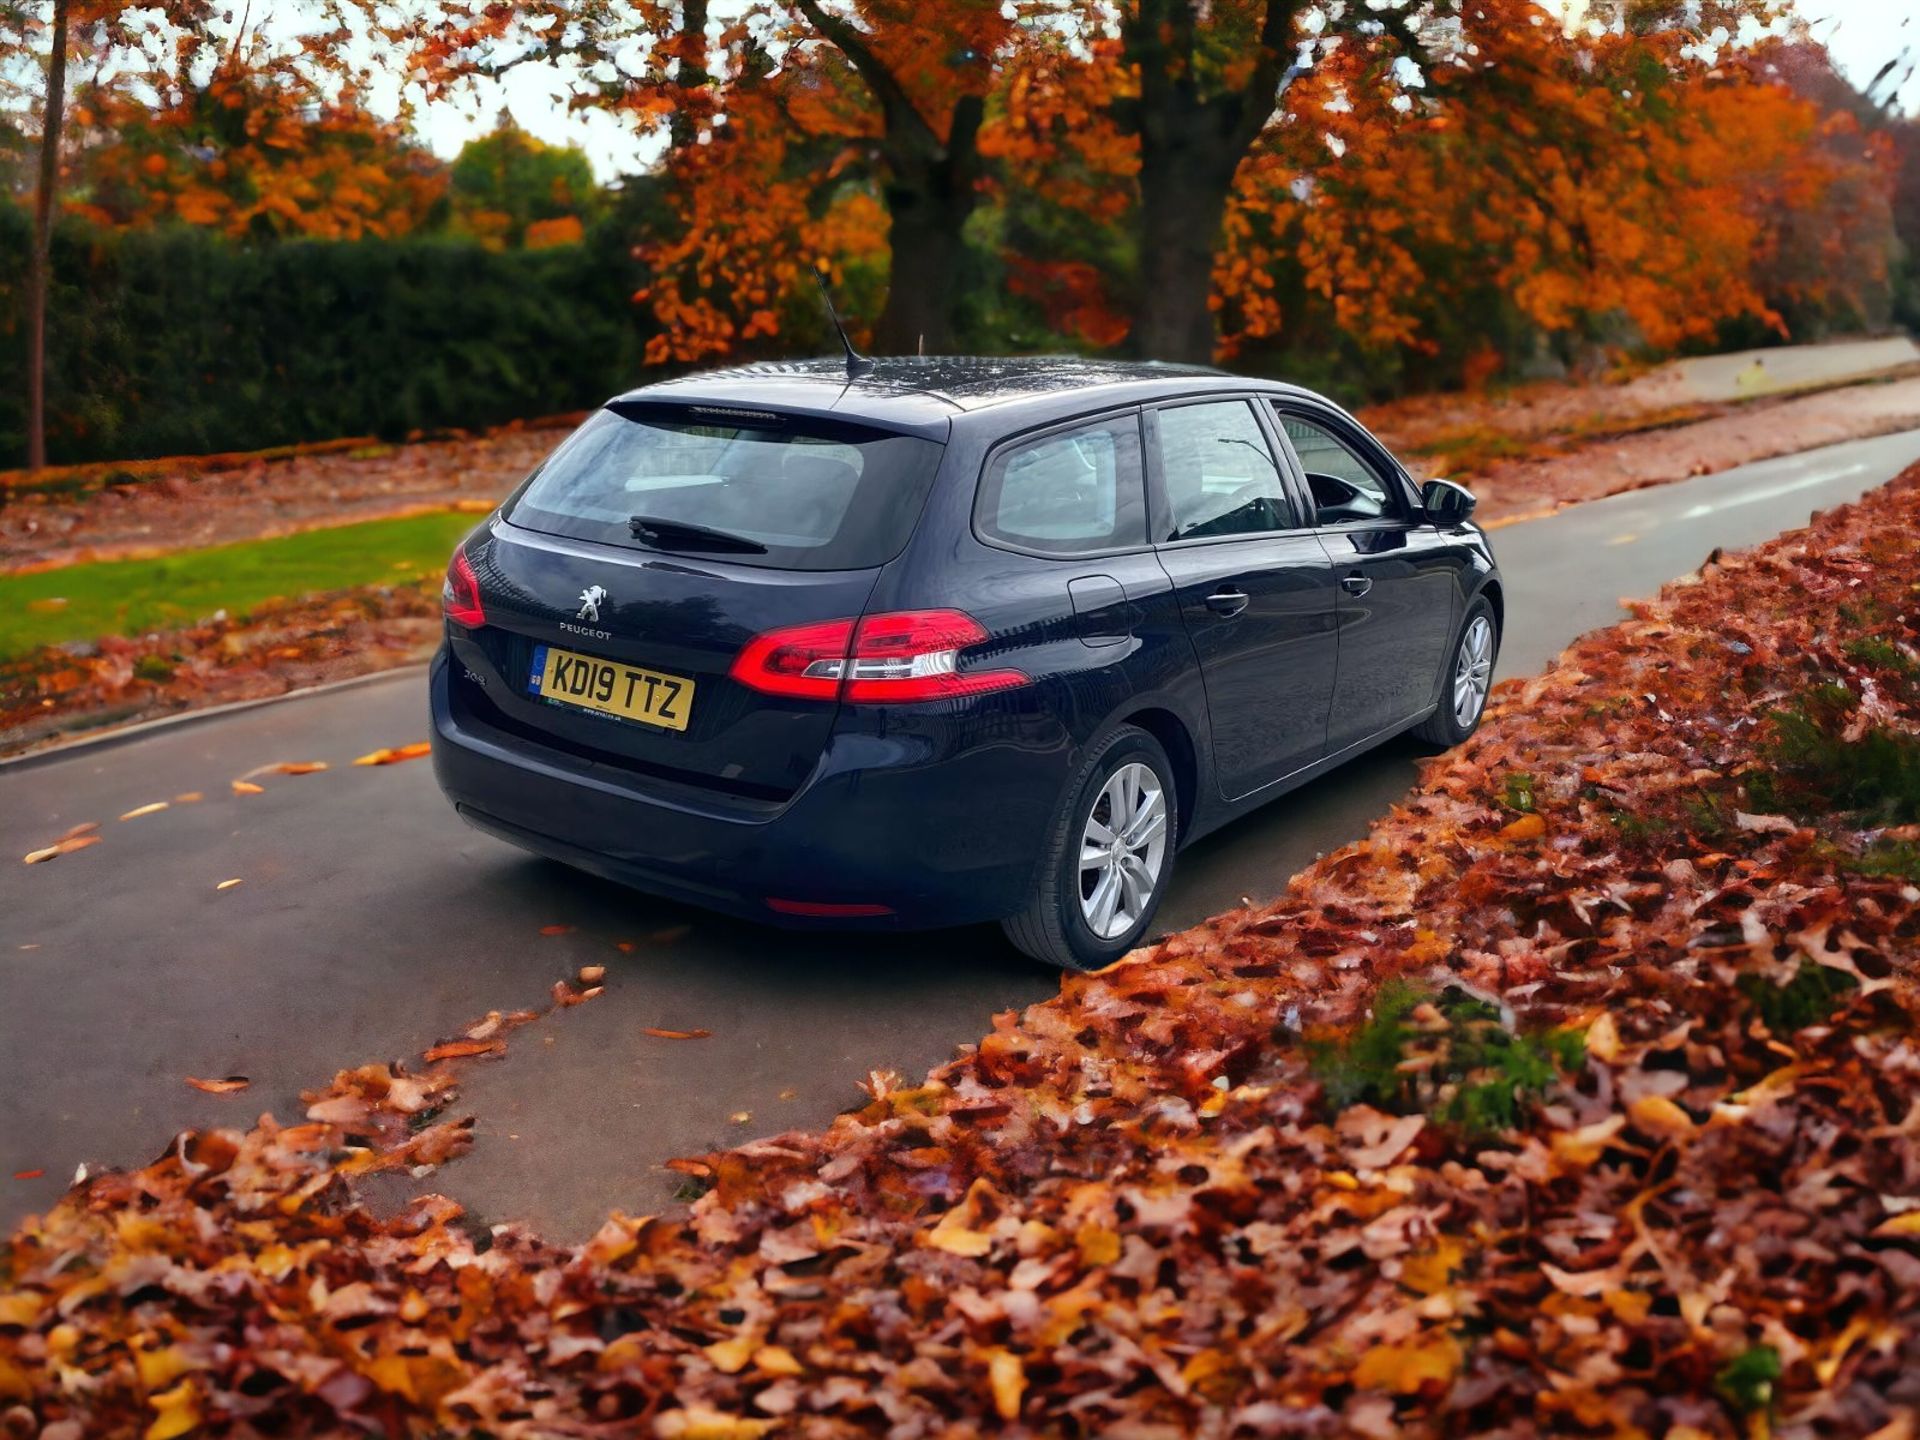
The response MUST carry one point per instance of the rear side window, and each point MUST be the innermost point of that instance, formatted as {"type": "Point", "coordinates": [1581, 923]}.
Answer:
{"type": "Point", "coordinates": [750, 487]}
{"type": "Point", "coordinates": [1068, 493]}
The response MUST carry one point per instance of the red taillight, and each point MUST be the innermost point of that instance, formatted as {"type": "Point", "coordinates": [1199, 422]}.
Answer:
{"type": "Point", "coordinates": [782, 662]}
{"type": "Point", "coordinates": [915, 654]}
{"type": "Point", "coordinates": [824, 910]}
{"type": "Point", "coordinates": [460, 596]}
{"type": "Point", "coordinates": [885, 659]}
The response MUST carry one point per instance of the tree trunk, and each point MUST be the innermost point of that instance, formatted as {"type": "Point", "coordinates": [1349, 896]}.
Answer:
{"type": "Point", "coordinates": [1183, 199]}
{"type": "Point", "coordinates": [924, 276]}
{"type": "Point", "coordinates": [1191, 146]}
{"type": "Point", "coordinates": [929, 194]}
{"type": "Point", "coordinates": [40, 253]}
{"type": "Point", "coordinates": [693, 78]}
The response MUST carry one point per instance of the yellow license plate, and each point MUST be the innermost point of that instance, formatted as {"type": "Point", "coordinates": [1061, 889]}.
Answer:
{"type": "Point", "coordinates": [612, 688]}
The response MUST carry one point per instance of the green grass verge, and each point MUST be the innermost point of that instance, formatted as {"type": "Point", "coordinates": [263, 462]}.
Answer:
{"type": "Point", "coordinates": [133, 597]}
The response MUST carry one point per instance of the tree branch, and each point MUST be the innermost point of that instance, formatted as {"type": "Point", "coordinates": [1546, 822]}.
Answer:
{"type": "Point", "coordinates": [1262, 95]}
{"type": "Point", "coordinates": [1393, 24]}
{"type": "Point", "coordinates": [872, 70]}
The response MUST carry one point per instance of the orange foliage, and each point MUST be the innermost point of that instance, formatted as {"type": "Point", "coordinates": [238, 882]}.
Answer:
{"type": "Point", "coordinates": [1072, 295]}
{"type": "Point", "coordinates": [1588, 182]}
{"type": "Point", "coordinates": [791, 164]}
{"type": "Point", "coordinates": [1055, 127]}
{"type": "Point", "coordinates": [1610, 188]}
{"type": "Point", "coordinates": [719, 279]}
{"type": "Point", "coordinates": [254, 150]}
{"type": "Point", "coordinates": [564, 230]}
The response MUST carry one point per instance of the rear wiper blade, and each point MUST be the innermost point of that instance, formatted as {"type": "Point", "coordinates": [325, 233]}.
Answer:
{"type": "Point", "coordinates": [684, 535]}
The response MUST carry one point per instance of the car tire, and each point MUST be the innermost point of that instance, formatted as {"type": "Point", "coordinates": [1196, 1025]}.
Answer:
{"type": "Point", "coordinates": [1058, 924]}
{"type": "Point", "coordinates": [1466, 680]}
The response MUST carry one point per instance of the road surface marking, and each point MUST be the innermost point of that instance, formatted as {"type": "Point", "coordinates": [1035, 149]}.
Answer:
{"type": "Point", "coordinates": [1627, 539]}
{"type": "Point", "coordinates": [1771, 492]}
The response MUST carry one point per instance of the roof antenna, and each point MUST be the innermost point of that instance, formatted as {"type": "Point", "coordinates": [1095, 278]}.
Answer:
{"type": "Point", "coordinates": [857, 364]}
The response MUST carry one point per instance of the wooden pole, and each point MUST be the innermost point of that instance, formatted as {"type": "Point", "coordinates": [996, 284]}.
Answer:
{"type": "Point", "coordinates": [40, 258]}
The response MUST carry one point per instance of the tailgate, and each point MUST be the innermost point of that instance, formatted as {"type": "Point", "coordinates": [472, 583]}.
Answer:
{"type": "Point", "coordinates": [679, 618]}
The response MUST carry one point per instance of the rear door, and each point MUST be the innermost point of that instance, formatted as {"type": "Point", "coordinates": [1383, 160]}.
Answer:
{"type": "Point", "coordinates": [1254, 588]}
{"type": "Point", "coordinates": [1396, 574]}
{"type": "Point", "coordinates": [1072, 497]}
{"type": "Point", "coordinates": [615, 638]}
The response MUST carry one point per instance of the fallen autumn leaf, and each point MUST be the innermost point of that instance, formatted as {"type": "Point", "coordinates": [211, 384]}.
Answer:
{"type": "Point", "coordinates": [456, 1049]}
{"type": "Point", "coordinates": [395, 755]}
{"type": "Point", "coordinates": [227, 1086]}
{"type": "Point", "coordinates": [78, 838]}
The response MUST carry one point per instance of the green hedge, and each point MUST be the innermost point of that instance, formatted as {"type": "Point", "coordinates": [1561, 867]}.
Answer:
{"type": "Point", "coordinates": [176, 341]}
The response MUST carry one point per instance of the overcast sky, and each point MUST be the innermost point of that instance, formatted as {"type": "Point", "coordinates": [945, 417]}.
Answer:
{"type": "Point", "coordinates": [1862, 34]}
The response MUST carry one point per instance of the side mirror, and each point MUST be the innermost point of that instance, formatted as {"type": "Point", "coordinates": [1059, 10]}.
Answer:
{"type": "Point", "coordinates": [1447, 503]}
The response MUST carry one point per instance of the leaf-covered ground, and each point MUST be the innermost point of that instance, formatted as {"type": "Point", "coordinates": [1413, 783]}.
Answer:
{"type": "Point", "coordinates": [1579, 1098]}
{"type": "Point", "coordinates": [1540, 447]}
{"type": "Point", "coordinates": [57, 691]}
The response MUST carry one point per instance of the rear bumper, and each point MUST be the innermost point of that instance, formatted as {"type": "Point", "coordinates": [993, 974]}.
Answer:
{"type": "Point", "coordinates": [914, 816]}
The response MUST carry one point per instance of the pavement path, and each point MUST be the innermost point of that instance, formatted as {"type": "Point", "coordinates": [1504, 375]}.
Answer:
{"type": "Point", "coordinates": [1743, 374]}
{"type": "Point", "coordinates": [370, 922]}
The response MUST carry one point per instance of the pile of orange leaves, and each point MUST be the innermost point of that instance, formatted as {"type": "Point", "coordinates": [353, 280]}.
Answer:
{"type": "Point", "coordinates": [1579, 1098]}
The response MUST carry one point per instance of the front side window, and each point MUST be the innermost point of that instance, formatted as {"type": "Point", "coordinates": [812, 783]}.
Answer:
{"type": "Point", "coordinates": [1070, 493]}
{"type": "Point", "coordinates": [1220, 474]}
{"type": "Point", "coordinates": [1344, 486]}
{"type": "Point", "coordinates": [797, 493]}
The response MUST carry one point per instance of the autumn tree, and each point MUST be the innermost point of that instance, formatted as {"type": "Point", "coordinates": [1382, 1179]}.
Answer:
{"type": "Point", "coordinates": [24, 29]}
{"type": "Point", "coordinates": [1227, 108]}
{"type": "Point", "coordinates": [510, 187]}
{"type": "Point", "coordinates": [1607, 188]}
{"type": "Point", "coordinates": [752, 209]}
{"type": "Point", "coordinates": [1061, 179]}
{"type": "Point", "coordinates": [1818, 177]}
{"type": "Point", "coordinates": [1206, 81]}
{"type": "Point", "coordinates": [45, 40]}
{"type": "Point", "coordinates": [893, 92]}
{"type": "Point", "coordinates": [928, 75]}
{"type": "Point", "coordinates": [257, 148]}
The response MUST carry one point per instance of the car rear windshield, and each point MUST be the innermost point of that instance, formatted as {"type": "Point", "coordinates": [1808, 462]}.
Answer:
{"type": "Point", "coordinates": [791, 493]}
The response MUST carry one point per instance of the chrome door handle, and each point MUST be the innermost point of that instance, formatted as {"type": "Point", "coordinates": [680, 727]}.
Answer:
{"type": "Point", "coordinates": [1356, 584]}
{"type": "Point", "coordinates": [1227, 602]}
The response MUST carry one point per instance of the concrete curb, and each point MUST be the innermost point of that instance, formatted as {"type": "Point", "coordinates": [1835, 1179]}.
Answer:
{"type": "Point", "coordinates": [139, 730]}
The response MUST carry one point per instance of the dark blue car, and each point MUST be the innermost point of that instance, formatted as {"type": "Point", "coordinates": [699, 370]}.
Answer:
{"type": "Point", "coordinates": [942, 641]}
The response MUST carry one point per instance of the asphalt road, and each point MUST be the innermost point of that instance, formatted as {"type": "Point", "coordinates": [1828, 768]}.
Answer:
{"type": "Point", "coordinates": [370, 922]}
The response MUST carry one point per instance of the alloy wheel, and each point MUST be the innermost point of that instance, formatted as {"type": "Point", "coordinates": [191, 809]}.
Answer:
{"type": "Point", "coordinates": [1472, 672]}
{"type": "Point", "coordinates": [1123, 848]}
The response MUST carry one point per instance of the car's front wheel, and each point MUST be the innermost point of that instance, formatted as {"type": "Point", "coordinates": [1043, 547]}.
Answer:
{"type": "Point", "coordinates": [1463, 693]}
{"type": "Point", "coordinates": [1108, 857]}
